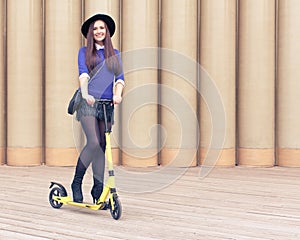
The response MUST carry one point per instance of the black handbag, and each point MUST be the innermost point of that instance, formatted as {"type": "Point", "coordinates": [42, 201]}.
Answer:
{"type": "Point", "coordinates": [74, 102]}
{"type": "Point", "coordinates": [77, 98]}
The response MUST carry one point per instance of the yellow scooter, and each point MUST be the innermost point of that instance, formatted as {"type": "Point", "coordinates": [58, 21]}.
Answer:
{"type": "Point", "coordinates": [58, 194]}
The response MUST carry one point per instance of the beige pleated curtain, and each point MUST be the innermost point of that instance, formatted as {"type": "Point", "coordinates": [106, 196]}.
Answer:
{"type": "Point", "coordinates": [249, 49]}
{"type": "Point", "coordinates": [24, 82]}
{"type": "Point", "coordinates": [2, 92]}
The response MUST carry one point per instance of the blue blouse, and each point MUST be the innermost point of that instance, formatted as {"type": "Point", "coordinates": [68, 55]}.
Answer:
{"type": "Point", "coordinates": [101, 85]}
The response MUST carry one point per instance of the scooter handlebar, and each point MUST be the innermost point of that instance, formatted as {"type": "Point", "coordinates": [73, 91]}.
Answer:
{"type": "Point", "coordinates": [104, 101]}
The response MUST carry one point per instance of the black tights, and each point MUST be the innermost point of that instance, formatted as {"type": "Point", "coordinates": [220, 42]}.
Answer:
{"type": "Point", "coordinates": [93, 151]}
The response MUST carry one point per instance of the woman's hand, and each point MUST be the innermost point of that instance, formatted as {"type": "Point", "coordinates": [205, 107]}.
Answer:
{"type": "Point", "coordinates": [89, 99]}
{"type": "Point", "coordinates": [117, 99]}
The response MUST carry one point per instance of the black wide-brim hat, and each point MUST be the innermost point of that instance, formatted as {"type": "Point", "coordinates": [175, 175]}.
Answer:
{"type": "Point", "coordinates": [105, 18]}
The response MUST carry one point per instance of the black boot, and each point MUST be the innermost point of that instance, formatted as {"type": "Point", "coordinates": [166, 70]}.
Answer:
{"type": "Point", "coordinates": [77, 182]}
{"type": "Point", "coordinates": [96, 190]}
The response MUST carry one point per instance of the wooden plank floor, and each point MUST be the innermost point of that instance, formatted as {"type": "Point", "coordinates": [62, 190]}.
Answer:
{"type": "Point", "coordinates": [230, 203]}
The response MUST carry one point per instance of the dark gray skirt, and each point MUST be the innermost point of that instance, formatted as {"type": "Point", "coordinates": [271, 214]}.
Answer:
{"type": "Point", "coordinates": [96, 110]}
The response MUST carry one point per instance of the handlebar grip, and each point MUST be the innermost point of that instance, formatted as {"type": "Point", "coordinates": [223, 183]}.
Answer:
{"type": "Point", "coordinates": [104, 101]}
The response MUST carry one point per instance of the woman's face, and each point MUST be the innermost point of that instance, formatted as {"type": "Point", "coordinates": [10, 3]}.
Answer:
{"type": "Point", "coordinates": [99, 31]}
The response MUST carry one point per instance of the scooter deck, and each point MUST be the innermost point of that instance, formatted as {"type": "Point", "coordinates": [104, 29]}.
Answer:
{"type": "Point", "coordinates": [68, 201]}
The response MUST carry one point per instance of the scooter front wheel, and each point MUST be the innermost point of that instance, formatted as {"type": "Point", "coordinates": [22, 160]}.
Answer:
{"type": "Point", "coordinates": [117, 211]}
{"type": "Point", "coordinates": [57, 192]}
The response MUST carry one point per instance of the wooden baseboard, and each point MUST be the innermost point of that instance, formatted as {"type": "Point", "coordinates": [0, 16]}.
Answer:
{"type": "Point", "coordinates": [288, 157]}
{"type": "Point", "coordinates": [68, 156]}
{"type": "Point", "coordinates": [179, 157]}
{"type": "Point", "coordinates": [62, 157]}
{"type": "Point", "coordinates": [2, 155]}
{"type": "Point", "coordinates": [139, 158]}
{"type": "Point", "coordinates": [116, 156]}
{"type": "Point", "coordinates": [226, 157]}
{"type": "Point", "coordinates": [24, 156]}
{"type": "Point", "coordinates": [256, 157]}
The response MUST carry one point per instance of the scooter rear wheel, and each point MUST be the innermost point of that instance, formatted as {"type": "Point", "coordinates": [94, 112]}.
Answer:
{"type": "Point", "coordinates": [56, 191]}
{"type": "Point", "coordinates": [117, 211]}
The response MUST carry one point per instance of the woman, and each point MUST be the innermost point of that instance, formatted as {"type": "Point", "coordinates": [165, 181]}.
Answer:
{"type": "Point", "coordinates": [107, 83]}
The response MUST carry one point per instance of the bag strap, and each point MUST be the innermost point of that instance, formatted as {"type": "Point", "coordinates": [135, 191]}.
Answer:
{"type": "Point", "coordinates": [95, 71]}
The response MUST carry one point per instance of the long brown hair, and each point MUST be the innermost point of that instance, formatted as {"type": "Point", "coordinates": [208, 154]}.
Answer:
{"type": "Point", "coordinates": [91, 57]}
